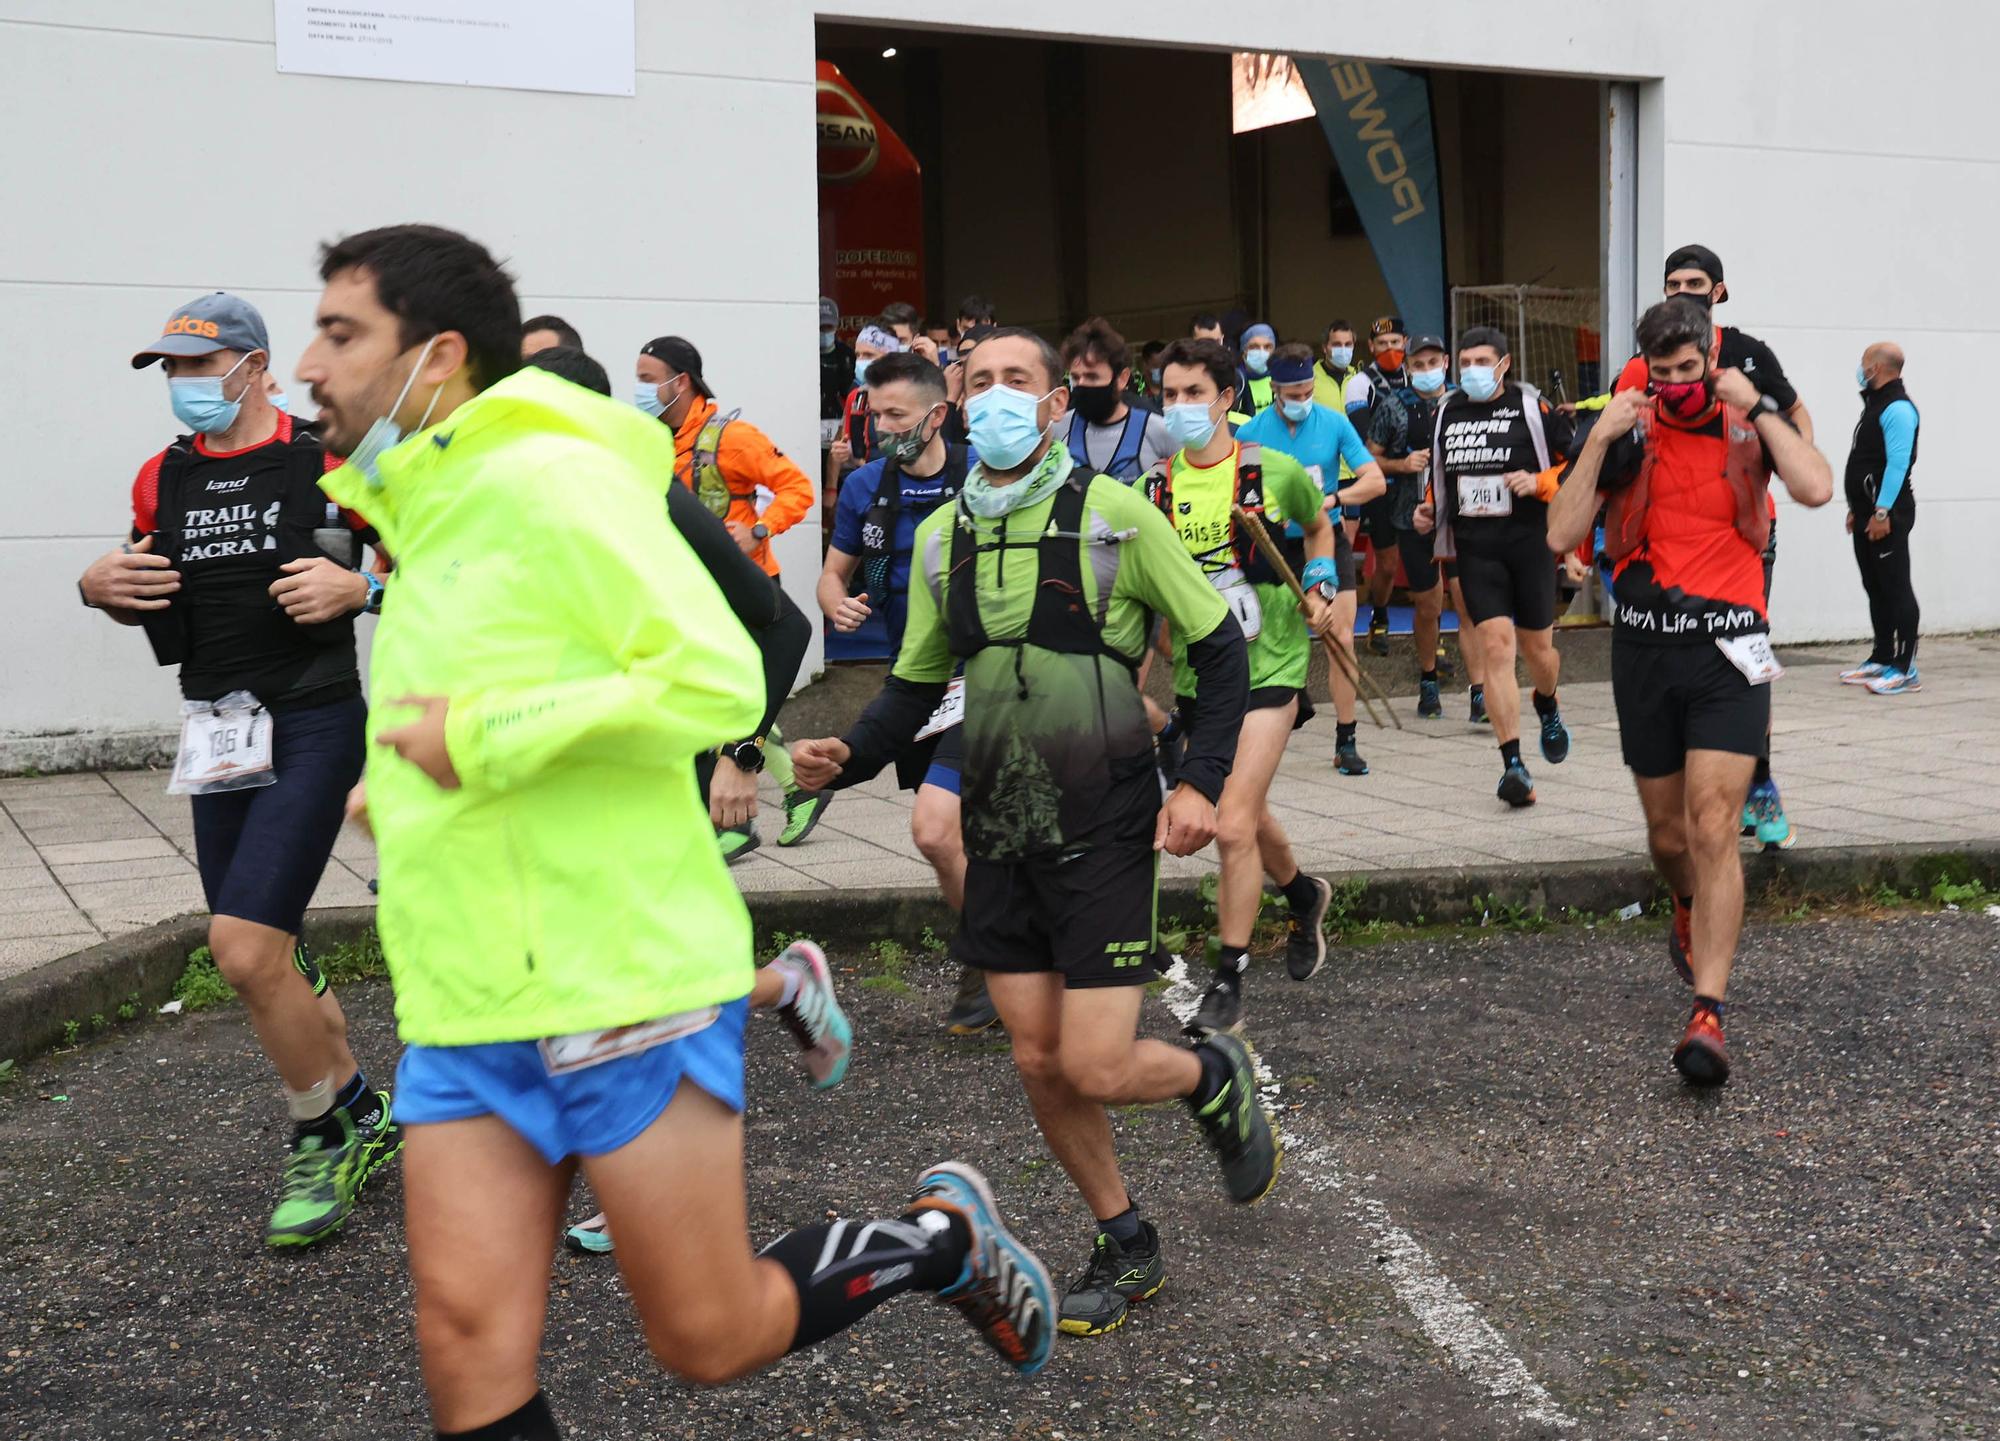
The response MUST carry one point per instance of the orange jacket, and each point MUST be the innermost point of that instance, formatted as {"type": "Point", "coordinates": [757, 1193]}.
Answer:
{"type": "Point", "coordinates": [775, 490]}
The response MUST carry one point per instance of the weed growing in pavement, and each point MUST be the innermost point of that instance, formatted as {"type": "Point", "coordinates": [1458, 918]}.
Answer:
{"type": "Point", "coordinates": [352, 961]}
{"type": "Point", "coordinates": [890, 961]}
{"type": "Point", "coordinates": [201, 984]}
{"type": "Point", "coordinates": [128, 1009]}
{"type": "Point", "coordinates": [1947, 892]}
{"type": "Point", "coordinates": [71, 1031]}
{"type": "Point", "coordinates": [779, 941]}
{"type": "Point", "coordinates": [7, 1072]}
{"type": "Point", "coordinates": [932, 944]}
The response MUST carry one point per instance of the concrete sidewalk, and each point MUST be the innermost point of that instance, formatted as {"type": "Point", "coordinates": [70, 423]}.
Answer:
{"type": "Point", "coordinates": [84, 858]}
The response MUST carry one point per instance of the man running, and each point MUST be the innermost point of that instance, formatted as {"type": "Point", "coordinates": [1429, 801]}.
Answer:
{"type": "Point", "coordinates": [760, 494]}
{"type": "Point", "coordinates": [1881, 509]}
{"type": "Point", "coordinates": [874, 534]}
{"type": "Point", "coordinates": [1685, 472]}
{"type": "Point", "coordinates": [1325, 442]}
{"type": "Point", "coordinates": [1197, 491]}
{"type": "Point", "coordinates": [1378, 398]}
{"type": "Point", "coordinates": [1042, 581]}
{"type": "Point", "coordinates": [569, 957]}
{"type": "Point", "coordinates": [245, 577]}
{"type": "Point", "coordinates": [1497, 451]}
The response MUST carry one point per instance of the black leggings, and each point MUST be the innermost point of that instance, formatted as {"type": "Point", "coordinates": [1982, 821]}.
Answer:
{"type": "Point", "coordinates": [1892, 599]}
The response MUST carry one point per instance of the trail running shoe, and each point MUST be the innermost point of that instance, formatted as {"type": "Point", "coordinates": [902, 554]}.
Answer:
{"type": "Point", "coordinates": [322, 1181]}
{"type": "Point", "coordinates": [1702, 1057]}
{"type": "Point", "coordinates": [972, 1009]}
{"type": "Point", "coordinates": [1430, 705]}
{"type": "Point", "coordinates": [1305, 935]}
{"type": "Point", "coordinates": [589, 1238]}
{"type": "Point", "coordinates": [737, 844]}
{"type": "Point", "coordinates": [380, 1138]}
{"type": "Point", "coordinates": [1555, 738]}
{"type": "Point", "coordinates": [1774, 827]}
{"type": "Point", "coordinates": [803, 810]}
{"type": "Point", "coordinates": [1479, 717]}
{"type": "Point", "coordinates": [1863, 673]}
{"type": "Point", "coordinates": [1347, 759]}
{"type": "Point", "coordinates": [1097, 1300]}
{"type": "Point", "coordinates": [1895, 682]}
{"type": "Point", "coordinates": [1378, 630]}
{"type": "Point", "coordinates": [1446, 669]}
{"type": "Point", "coordinates": [1221, 1009]}
{"type": "Point", "coordinates": [1004, 1292]}
{"type": "Point", "coordinates": [814, 1017]}
{"type": "Point", "coordinates": [1680, 941]}
{"type": "Point", "coordinates": [1517, 787]}
{"type": "Point", "coordinates": [1238, 1128]}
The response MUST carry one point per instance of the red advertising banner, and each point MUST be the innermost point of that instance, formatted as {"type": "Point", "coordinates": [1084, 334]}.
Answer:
{"type": "Point", "coordinates": [871, 207]}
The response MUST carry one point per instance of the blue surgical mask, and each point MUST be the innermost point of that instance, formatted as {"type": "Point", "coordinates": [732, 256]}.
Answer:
{"type": "Point", "coordinates": [1295, 410]}
{"type": "Point", "coordinates": [1257, 361]}
{"type": "Point", "coordinates": [826, 338]}
{"type": "Point", "coordinates": [1430, 382]}
{"type": "Point", "coordinates": [1189, 425]}
{"type": "Point", "coordinates": [279, 399]}
{"type": "Point", "coordinates": [199, 403]}
{"type": "Point", "coordinates": [1001, 423]}
{"type": "Point", "coordinates": [1480, 382]}
{"type": "Point", "coordinates": [385, 434]}
{"type": "Point", "coordinates": [1340, 356]}
{"type": "Point", "coordinates": [646, 396]}
{"type": "Point", "coordinates": [1861, 377]}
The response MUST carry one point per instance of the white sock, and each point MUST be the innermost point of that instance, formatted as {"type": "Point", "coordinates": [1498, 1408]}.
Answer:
{"type": "Point", "coordinates": [791, 990]}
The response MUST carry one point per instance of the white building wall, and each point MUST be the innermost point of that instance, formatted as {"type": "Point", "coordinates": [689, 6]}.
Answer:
{"type": "Point", "coordinates": [152, 151]}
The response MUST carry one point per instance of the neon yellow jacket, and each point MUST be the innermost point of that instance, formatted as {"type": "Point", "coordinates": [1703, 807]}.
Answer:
{"type": "Point", "coordinates": [572, 882]}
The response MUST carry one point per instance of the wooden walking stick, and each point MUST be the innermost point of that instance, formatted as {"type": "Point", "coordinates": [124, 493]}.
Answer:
{"type": "Point", "coordinates": [1275, 558]}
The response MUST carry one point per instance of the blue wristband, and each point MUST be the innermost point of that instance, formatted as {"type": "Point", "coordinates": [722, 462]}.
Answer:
{"type": "Point", "coordinates": [1319, 569]}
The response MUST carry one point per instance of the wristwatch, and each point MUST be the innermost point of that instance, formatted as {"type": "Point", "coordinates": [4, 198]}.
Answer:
{"type": "Point", "coordinates": [373, 605]}
{"type": "Point", "coordinates": [1766, 405]}
{"type": "Point", "coordinates": [1326, 590]}
{"type": "Point", "coordinates": [748, 755]}
{"type": "Point", "coordinates": [760, 531]}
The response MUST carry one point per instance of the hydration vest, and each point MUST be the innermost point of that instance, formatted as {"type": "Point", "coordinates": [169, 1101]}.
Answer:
{"type": "Point", "coordinates": [1445, 547]}
{"type": "Point", "coordinates": [1742, 467]}
{"type": "Point", "coordinates": [1248, 493]}
{"type": "Point", "coordinates": [1131, 440]}
{"type": "Point", "coordinates": [878, 522]}
{"type": "Point", "coordinates": [709, 482]}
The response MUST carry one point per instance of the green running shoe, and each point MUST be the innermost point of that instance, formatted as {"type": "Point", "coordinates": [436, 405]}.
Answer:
{"type": "Point", "coordinates": [380, 1138]}
{"type": "Point", "coordinates": [1237, 1127]}
{"type": "Point", "coordinates": [1096, 1301]}
{"type": "Point", "coordinates": [803, 810]}
{"type": "Point", "coordinates": [322, 1182]}
{"type": "Point", "coordinates": [737, 844]}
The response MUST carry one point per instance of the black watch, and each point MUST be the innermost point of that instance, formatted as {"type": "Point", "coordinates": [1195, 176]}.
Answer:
{"type": "Point", "coordinates": [1766, 405]}
{"type": "Point", "coordinates": [748, 755]}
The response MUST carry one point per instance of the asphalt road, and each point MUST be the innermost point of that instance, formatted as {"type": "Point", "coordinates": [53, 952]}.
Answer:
{"type": "Point", "coordinates": [1500, 1216]}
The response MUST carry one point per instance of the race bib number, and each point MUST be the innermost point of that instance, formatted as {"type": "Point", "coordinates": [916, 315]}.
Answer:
{"type": "Point", "coordinates": [583, 1049]}
{"type": "Point", "coordinates": [950, 710]}
{"type": "Point", "coordinates": [1484, 495]}
{"type": "Point", "coordinates": [225, 746]}
{"type": "Point", "coordinates": [829, 432]}
{"type": "Point", "coordinates": [1318, 477]}
{"type": "Point", "coordinates": [1752, 655]}
{"type": "Point", "coordinates": [1241, 598]}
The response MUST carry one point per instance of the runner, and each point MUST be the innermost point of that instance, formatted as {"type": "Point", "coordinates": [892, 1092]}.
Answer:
{"type": "Point", "coordinates": [1497, 450]}
{"type": "Point", "coordinates": [1106, 431]}
{"type": "Point", "coordinates": [1377, 400]}
{"type": "Point", "coordinates": [1685, 472]}
{"type": "Point", "coordinates": [760, 494]}
{"type": "Point", "coordinates": [569, 957]}
{"type": "Point", "coordinates": [245, 577]}
{"type": "Point", "coordinates": [874, 530]}
{"type": "Point", "coordinates": [1259, 343]}
{"type": "Point", "coordinates": [1212, 472]}
{"type": "Point", "coordinates": [1063, 815]}
{"type": "Point", "coordinates": [1324, 441]}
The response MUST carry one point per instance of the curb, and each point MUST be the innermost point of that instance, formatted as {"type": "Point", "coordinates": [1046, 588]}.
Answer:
{"type": "Point", "coordinates": [36, 1006]}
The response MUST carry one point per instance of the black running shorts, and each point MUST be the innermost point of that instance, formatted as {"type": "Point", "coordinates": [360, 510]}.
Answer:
{"type": "Point", "coordinates": [1511, 576]}
{"type": "Point", "coordinates": [1378, 522]}
{"type": "Point", "coordinates": [1090, 915]}
{"type": "Point", "coordinates": [1672, 699]}
{"type": "Point", "coordinates": [1418, 563]}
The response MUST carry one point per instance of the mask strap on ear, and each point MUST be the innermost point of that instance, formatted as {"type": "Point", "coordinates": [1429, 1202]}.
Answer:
{"type": "Point", "coordinates": [405, 394]}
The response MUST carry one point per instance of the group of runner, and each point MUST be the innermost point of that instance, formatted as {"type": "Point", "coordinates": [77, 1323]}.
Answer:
{"type": "Point", "coordinates": [575, 687]}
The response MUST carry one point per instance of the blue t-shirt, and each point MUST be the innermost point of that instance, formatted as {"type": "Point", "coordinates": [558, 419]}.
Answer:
{"type": "Point", "coordinates": [1323, 439]}
{"type": "Point", "coordinates": [920, 496]}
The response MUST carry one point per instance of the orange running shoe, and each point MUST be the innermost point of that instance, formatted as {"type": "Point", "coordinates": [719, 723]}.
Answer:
{"type": "Point", "coordinates": [1680, 941]}
{"type": "Point", "coordinates": [1702, 1056]}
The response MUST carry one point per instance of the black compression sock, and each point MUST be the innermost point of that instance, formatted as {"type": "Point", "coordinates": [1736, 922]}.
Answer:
{"type": "Point", "coordinates": [1300, 893]}
{"type": "Point", "coordinates": [1231, 964]}
{"type": "Point", "coordinates": [355, 1095]}
{"type": "Point", "coordinates": [845, 1269]}
{"type": "Point", "coordinates": [1544, 704]}
{"type": "Point", "coordinates": [1709, 1003]}
{"type": "Point", "coordinates": [1124, 1227]}
{"type": "Point", "coordinates": [1763, 772]}
{"type": "Point", "coordinates": [532, 1422]}
{"type": "Point", "coordinates": [1510, 752]}
{"type": "Point", "coordinates": [1343, 732]}
{"type": "Point", "coordinates": [1214, 1076]}
{"type": "Point", "coordinates": [1478, 692]}
{"type": "Point", "coordinates": [1431, 676]}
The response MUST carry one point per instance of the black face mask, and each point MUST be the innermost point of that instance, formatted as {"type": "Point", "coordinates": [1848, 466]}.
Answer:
{"type": "Point", "coordinates": [1094, 403]}
{"type": "Point", "coordinates": [1705, 300]}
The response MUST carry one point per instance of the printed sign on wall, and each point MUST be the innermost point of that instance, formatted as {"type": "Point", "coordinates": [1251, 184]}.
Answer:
{"type": "Point", "coordinates": [583, 47]}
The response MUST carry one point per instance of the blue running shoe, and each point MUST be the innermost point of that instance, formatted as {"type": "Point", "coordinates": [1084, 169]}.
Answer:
{"type": "Point", "coordinates": [814, 1016]}
{"type": "Point", "coordinates": [1004, 1292]}
{"type": "Point", "coordinates": [1517, 787]}
{"type": "Point", "coordinates": [589, 1238]}
{"type": "Point", "coordinates": [1555, 738]}
{"type": "Point", "coordinates": [1774, 829]}
{"type": "Point", "coordinates": [1757, 805]}
{"type": "Point", "coordinates": [1863, 673]}
{"type": "Point", "coordinates": [1896, 682]}
{"type": "Point", "coordinates": [1430, 705]}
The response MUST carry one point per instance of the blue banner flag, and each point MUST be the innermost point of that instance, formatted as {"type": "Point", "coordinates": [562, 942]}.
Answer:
{"type": "Point", "coordinates": [1377, 119]}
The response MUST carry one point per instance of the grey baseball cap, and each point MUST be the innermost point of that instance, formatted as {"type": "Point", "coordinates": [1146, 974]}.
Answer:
{"type": "Point", "coordinates": [219, 321]}
{"type": "Point", "coordinates": [829, 313]}
{"type": "Point", "coordinates": [1425, 342]}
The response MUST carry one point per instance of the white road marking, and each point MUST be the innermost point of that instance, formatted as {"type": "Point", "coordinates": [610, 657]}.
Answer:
{"type": "Point", "coordinates": [1452, 1322]}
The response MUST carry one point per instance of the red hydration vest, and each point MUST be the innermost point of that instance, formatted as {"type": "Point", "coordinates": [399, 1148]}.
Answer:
{"type": "Point", "coordinates": [1742, 466]}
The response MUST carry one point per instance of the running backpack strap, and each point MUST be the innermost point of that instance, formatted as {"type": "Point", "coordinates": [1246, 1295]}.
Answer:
{"type": "Point", "coordinates": [167, 513]}
{"type": "Point", "coordinates": [1444, 504]}
{"type": "Point", "coordinates": [965, 629]}
{"type": "Point", "coordinates": [1079, 431]}
{"type": "Point", "coordinates": [1159, 486]}
{"type": "Point", "coordinates": [1061, 619]}
{"type": "Point", "coordinates": [709, 482]}
{"type": "Point", "coordinates": [1531, 411]}
{"type": "Point", "coordinates": [1131, 440]}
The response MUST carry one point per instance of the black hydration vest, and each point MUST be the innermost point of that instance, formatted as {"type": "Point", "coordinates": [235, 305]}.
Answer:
{"type": "Point", "coordinates": [1868, 455]}
{"type": "Point", "coordinates": [878, 522]}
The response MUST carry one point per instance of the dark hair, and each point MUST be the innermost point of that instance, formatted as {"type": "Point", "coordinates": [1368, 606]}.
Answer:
{"type": "Point", "coordinates": [564, 332]}
{"type": "Point", "coordinates": [1292, 352]}
{"type": "Point", "coordinates": [1152, 348]}
{"type": "Point", "coordinates": [1095, 337]}
{"type": "Point", "coordinates": [432, 280]}
{"type": "Point", "coordinates": [1202, 320]}
{"type": "Point", "coordinates": [1208, 355]}
{"type": "Point", "coordinates": [900, 312]}
{"type": "Point", "coordinates": [1052, 363]}
{"type": "Point", "coordinates": [569, 362]}
{"type": "Point", "coordinates": [1674, 322]}
{"type": "Point", "coordinates": [910, 366]}
{"type": "Point", "coordinates": [1476, 335]}
{"type": "Point", "coordinates": [977, 309]}
{"type": "Point", "coordinates": [1334, 325]}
